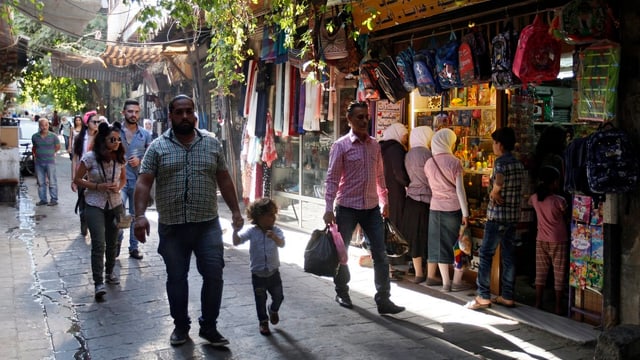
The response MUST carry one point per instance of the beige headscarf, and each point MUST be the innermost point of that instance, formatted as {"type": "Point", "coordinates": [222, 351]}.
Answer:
{"type": "Point", "coordinates": [443, 141]}
{"type": "Point", "coordinates": [421, 137]}
{"type": "Point", "coordinates": [397, 132]}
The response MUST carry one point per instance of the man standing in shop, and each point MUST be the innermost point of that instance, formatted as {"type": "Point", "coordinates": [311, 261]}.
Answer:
{"type": "Point", "coordinates": [135, 141]}
{"type": "Point", "coordinates": [355, 183]}
{"type": "Point", "coordinates": [188, 168]}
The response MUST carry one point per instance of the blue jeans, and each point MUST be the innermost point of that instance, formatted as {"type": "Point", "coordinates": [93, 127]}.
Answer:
{"type": "Point", "coordinates": [177, 243]}
{"type": "Point", "coordinates": [127, 200]}
{"type": "Point", "coordinates": [46, 172]}
{"type": "Point", "coordinates": [263, 285]}
{"type": "Point", "coordinates": [104, 233]}
{"type": "Point", "coordinates": [504, 234]}
{"type": "Point", "coordinates": [371, 223]}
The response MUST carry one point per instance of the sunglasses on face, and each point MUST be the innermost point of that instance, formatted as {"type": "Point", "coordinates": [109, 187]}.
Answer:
{"type": "Point", "coordinates": [95, 122]}
{"type": "Point", "coordinates": [114, 140]}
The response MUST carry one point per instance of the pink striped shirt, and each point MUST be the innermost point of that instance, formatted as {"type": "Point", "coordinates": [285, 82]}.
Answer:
{"type": "Point", "coordinates": [355, 178]}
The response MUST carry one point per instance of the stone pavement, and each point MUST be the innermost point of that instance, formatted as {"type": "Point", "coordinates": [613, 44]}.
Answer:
{"type": "Point", "coordinates": [48, 310]}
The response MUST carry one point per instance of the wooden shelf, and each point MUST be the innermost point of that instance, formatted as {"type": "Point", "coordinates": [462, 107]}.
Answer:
{"type": "Point", "coordinates": [455, 108]}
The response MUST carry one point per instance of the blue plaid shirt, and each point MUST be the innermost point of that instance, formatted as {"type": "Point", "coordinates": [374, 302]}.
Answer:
{"type": "Point", "coordinates": [185, 177]}
{"type": "Point", "coordinates": [511, 192]}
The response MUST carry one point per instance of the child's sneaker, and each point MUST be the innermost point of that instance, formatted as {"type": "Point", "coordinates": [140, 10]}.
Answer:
{"type": "Point", "coordinates": [273, 317]}
{"type": "Point", "coordinates": [264, 328]}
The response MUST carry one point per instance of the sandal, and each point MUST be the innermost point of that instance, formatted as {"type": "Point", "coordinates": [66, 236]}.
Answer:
{"type": "Point", "coordinates": [476, 305]}
{"type": "Point", "coordinates": [504, 302]}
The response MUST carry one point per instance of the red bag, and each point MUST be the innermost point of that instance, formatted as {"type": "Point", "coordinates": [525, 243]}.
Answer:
{"type": "Point", "coordinates": [537, 57]}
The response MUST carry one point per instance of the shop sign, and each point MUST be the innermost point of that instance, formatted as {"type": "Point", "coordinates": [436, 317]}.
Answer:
{"type": "Point", "coordinates": [396, 12]}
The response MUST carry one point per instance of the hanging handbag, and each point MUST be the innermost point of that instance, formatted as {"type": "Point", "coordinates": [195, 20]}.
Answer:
{"type": "Point", "coordinates": [333, 45]}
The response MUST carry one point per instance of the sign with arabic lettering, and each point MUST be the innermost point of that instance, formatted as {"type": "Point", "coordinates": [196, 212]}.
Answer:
{"type": "Point", "coordinates": [396, 12]}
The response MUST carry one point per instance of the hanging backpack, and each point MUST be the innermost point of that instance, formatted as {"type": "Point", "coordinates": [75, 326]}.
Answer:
{"type": "Point", "coordinates": [502, 58]}
{"type": "Point", "coordinates": [575, 163]}
{"type": "Point", "coordinates": [585, 21]}
{"type": "Point", "coordinates": [390, 81]}
{"type": "Point", "coordinates": [537, 57]}
{"type": "Point", "coordinates": [447, 69]}
{"type": "Point", "coordinates": [612, 162]}
{"type": "Point", "coordinates": [369, 79]}
{"type": "Point", "coordinates": [466, 64]}
{"type": "Point", "coordinates": [425, 82]}
{"type": "Point", "coordinates": [404, 62]}
{"type": "Point", "coordinates": [480, 51]}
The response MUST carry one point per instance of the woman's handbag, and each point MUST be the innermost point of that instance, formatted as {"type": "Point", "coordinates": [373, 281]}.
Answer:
{"type": "Point", "coordinates": [123, 220]}
{"type": "Point", "coordinates": [320, 256]}
{"type": "Point", "coordinates": [396, 243]}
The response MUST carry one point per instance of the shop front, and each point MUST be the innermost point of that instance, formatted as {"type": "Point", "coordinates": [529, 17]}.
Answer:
{"type": "Point", "coordinates": [473, 110]}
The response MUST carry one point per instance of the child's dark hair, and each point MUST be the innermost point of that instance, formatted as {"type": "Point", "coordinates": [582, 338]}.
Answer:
{"type": "Point", "coordinates": [261, 207]}
{"type": "Point", "coordinates": [547, 176]}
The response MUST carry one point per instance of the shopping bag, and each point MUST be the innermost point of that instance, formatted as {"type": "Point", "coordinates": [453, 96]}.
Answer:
{"type": "Point", "coordinates": [395, 242]}
{"type": "Point", "coordinates": [341, 251]}
{"type": "Point", "coordinates": [462, 249]}
{"type": "Point", "coordinates": [320, 255]}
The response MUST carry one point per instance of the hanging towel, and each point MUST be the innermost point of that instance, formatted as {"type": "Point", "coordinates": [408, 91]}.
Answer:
{"type": "Point", "coordinates": [269, 153]}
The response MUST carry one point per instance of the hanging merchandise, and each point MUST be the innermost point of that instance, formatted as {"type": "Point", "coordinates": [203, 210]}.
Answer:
{"type": "Point", "coordinates": [333, 36]}
{"type": "Point", "coordinates": [424, 70]}
{"type": "Point", "coordinates": [447, 64]}
{"type": "Point", "coordinates": [368, 87]}
{"type": "Point", "coordinates": [612, 162]}
{"type": "Point", "coordinates": [598, 81]}
{"type": "Point", "coordinates": [502, 58]}
{"type": "Point", "coordinates": [584, 21]}
{"type": "Point", "coordinates": [480, 54]}
{"type": "Point", "coordinates": [465, 61]}
{"type": "Point", "coordinates": [390, 81]}
{"type": "Point", "coordinates": [404, 62]}
{"type": "Point", "coordinates": [537, 57]}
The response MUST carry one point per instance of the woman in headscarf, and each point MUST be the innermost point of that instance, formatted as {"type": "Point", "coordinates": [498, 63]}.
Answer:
{"type": "Point", "coordinates": [448, 206]}
{"type": "Point", "coordinates": [394, 148]}
{"type": "Point", "coordinates": [416, 214]}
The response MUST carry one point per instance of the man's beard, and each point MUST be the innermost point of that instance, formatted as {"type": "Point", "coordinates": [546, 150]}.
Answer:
{"type": "Point", "coordinates": [183, 128]}
{"type": "Point", "coordinates": [131, 120]}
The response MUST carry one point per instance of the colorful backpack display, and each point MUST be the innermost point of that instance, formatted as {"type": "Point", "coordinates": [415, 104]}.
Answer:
{"type": "Point", "coordinates": [537, 57]}
{"type": "Point", "coordinates": [447, 64]}
{"type": "Point", "coordinates": [612, 162]}
{"type": "Point", "coordinates": [404, 62]}
{"type": "Point", "coordinates": [390, 81]}
{"type": "Point", "coordinates": [502, 58]}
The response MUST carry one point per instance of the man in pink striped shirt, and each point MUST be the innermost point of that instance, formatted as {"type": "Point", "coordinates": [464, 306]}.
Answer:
{"type": "Point", "coordinates": [355, 183]}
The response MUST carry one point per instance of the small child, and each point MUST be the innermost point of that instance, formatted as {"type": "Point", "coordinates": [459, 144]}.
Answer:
{"type": "Point", "coordinates": [265, 238]}
{"type": "Point", "coordinates": [551, 242]}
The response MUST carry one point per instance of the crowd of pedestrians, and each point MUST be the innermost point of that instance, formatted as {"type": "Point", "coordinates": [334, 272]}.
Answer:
{"type": "Point", "coordinates": [413, 180]}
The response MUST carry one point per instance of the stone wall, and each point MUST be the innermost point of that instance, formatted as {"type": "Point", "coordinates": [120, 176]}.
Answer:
{"type": "Point", "coordinates": [629, 204]}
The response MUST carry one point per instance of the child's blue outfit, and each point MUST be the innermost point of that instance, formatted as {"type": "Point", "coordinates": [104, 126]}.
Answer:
{"type": "Point", "coordinates": [264, 264]}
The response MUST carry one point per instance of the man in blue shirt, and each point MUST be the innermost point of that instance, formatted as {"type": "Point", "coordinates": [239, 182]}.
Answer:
{"type": "Point", "coordinates": [45, 146]}
{"type": "Point", "coordinates": [135, 141]}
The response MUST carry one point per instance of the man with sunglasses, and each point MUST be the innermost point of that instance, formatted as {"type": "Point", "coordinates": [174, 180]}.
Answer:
{"type": "Point", "coordinates": [135, 141]}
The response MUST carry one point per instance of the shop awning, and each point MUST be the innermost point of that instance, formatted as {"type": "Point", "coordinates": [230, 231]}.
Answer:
{"type": "Point", "coordinates": [122, 56]}
{"type": "Point", "coordinates": [87, 67]}
{"type": "Point", "coordinates": [70, 16]}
